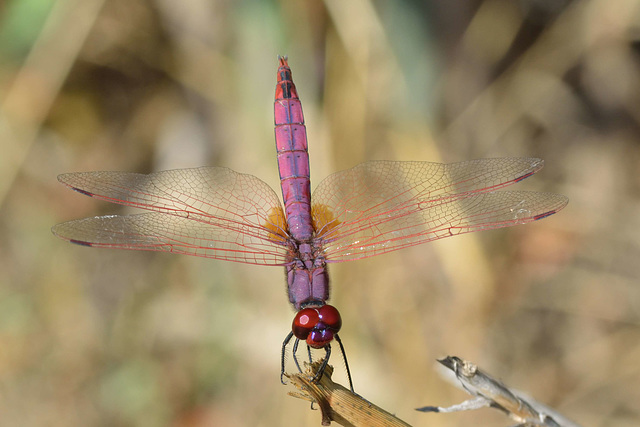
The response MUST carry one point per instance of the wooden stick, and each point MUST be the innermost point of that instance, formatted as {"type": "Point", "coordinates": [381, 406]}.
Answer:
{"type": "Point", "coordinates": [489, 392]}
{"type": "Point", "coordinates": [338, 403]}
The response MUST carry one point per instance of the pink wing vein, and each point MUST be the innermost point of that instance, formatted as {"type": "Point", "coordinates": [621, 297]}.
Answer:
{"type": "Point", "coordinates": [382, 206]}
{"type": "Point", "coordinates": [209, 212]}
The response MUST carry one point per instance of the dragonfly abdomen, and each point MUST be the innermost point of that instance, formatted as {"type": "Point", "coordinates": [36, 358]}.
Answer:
{"type": "Point", "coordinates": [293, 158]}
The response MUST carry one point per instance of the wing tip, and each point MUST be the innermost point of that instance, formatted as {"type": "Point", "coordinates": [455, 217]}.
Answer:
{"type": "Point", "coordinates": [544, 215]}
{"type": "Point", "coordinates": [80, 242]}
{"type": "Point", "coordinates": [65, 179]}
{"type": "Point", "coordinates": [56, 232]}
{"type": "Point", "coordinates": [563, 201]}
{"type": "Point", "coordinates": [535, 164]}
{"type": "Point", "coordinates": [81, 191]}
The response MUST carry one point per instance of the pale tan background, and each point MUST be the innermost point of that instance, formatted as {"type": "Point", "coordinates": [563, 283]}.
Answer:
{"type": "Point", "coordinates": [116, 338]}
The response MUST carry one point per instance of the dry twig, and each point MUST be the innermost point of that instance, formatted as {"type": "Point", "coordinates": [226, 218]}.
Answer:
{"type": "Point", "coordinates": [490, 392]}
{"type": "Point", "coordinates": [338, 403]}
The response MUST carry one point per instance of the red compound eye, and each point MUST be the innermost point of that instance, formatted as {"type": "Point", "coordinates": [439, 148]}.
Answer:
{"type": "Point", "coordinates": [320, 338]}
{"type": "Point", "coordinates": [305, 320]}
{"type": "Point", "coordinates": [330, 316]}
{"type": "Point", "coordinates": [317, 326]}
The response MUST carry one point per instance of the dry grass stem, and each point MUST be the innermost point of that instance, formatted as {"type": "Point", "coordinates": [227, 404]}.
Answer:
{"type": "Point", "coordinates": [338, 403]}
{"type": "Point", "coordinates": [489, 392]}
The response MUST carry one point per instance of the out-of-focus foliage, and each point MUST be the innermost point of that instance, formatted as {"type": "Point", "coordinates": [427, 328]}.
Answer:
{"type": "Point", "coordinates": [99, 337]}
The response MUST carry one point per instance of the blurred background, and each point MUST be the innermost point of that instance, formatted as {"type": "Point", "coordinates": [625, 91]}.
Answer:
{"type": "Point", "coordinates": [117, 338]}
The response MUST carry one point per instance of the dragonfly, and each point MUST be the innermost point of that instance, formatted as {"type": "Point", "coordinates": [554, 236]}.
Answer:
{"type": "Point", "coordinates": [372, 209]}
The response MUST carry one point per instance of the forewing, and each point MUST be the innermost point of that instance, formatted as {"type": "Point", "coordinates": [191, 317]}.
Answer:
{"type": "Point", "coordinates": [382, 206]}
{"type": "Point", "coordinates": [209, 212]}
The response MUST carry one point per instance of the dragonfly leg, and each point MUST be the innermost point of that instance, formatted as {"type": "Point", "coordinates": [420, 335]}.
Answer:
{"type": "Point", "coordinates": [318, 375]}
{"type": "Point", "coordinates": [295, 357]}
{"type": "Point", "coordinates": [309, 351]}
{"type": "Point", "coordinates": [284, 349]}
{"type": "Point", "coordinates": [346, 364]}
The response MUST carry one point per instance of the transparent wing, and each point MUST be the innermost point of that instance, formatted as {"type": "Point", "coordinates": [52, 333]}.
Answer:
{"type": "Point", "coordinates": [208, 212]}
{"type": "Point", "coordinates": [381, 206]}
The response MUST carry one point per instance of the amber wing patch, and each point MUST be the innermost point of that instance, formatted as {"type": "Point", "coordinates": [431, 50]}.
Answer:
{"type": "Point", "coordinates": [277, 225]}
{"type": "Point", "coordinates": [323, 220]}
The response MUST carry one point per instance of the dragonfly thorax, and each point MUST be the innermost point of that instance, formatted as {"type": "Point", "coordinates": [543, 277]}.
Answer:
{"type": "Point", "coordinates": [317, 325]}
{"type": "Point", "coordinates": [307, 277]}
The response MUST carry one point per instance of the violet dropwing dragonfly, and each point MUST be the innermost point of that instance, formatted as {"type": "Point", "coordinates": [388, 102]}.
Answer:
{"type": "Point", "coordinates": [374, 208]}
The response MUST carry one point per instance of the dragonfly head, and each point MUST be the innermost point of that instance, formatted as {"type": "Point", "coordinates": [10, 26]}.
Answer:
{"type": "Point", "coordinates": [317, 325]}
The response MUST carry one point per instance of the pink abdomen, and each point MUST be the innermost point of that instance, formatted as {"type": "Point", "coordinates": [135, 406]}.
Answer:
{"type": "Point", "coordinates": [293, 158]}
